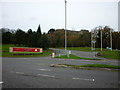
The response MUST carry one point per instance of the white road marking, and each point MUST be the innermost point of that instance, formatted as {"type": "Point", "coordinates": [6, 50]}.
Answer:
{"type": "Point", "coordinates": [84, 79]}
{"type": "Point", "coordinates": [19, 72]}
{"type": "Point", "coordinates": [44, 69]}
{"type": "Point", "coordinates": [22, 58]}
{"type": "Point", "coordinates": [1, 82]}
{"type": "Point", "coordinates": [44, 75]}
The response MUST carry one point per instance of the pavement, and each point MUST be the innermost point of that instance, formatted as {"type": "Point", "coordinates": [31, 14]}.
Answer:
{"type": "Point", "coordinates": [36, 72]}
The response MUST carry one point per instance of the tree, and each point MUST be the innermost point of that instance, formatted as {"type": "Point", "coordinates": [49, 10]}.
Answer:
{"type": "Point", "coordinates": [29, 38]}
{"type": "Point", "coordinates": [51, 31]}
{"type": "Point", "coordinates": [7, 37]}
{"type": "Point", "coordinates": [84, 40]}
{"type": "Point", "coordinates": [45, 41]}
{"type": "Point", "coordinates": [39, 30]}
{"type": "Point", "coordinates": [116, 40]}
{"type": "Point", "coordinates": [57, 38]}
{"type": "Point", "coordinates": [29, 31]}
{"type": "Point", "coordinates": [20, 37]}
{"type": "Point", "coordinates": [38, 39]}
{"type": "Point", "coordinates": [105, 36]}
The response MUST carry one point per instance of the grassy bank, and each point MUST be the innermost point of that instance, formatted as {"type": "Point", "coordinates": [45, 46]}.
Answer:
{"type": "Point", "coordinates": [111, 54]}
{"type": "Point", "coordinates": [106, 53]}
{"type": "Point", "coordinates": [71, 56]}
{"type": "Point", "coordinates": [6, 53]}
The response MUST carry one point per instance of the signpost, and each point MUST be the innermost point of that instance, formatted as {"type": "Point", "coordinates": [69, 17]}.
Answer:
{"type": "Point", "coordinates": [94, 41]}
{"type": "Point", "coordinates": [94, 34]}
{"type": "Point", "coordinates": [25, 50]}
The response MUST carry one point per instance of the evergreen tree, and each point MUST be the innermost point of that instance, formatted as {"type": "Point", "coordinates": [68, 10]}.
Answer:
{"type": "Point", "coordinates": [38, 39]}
{"type": "Point", "coordinates": [20, 37]}
{"type": "Point", "coordinates": [39, 30]}
{"type": "Point", "coordinates": [29, 38]}
{"type": "Point", "coordinates": [45, 41]}
{"type": "Point", "coordinates": [7, 37]}
{"type": "Point", "coordinates": [33, 39]}
{"type": "Point", "coordinates": [29, 31]}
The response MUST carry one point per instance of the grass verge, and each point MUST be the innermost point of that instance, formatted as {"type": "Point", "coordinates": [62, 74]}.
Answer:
{"type": "Point", "coordinates": [96, 66]}
{"type": "Point", "coordinates": [111, 54]}
{"type": "Point", "coordinates": [106, 53]}
{"type": "Point", "coordinates": [71, 56]}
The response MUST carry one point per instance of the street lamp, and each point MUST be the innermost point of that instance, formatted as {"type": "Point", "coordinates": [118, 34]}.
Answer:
{"type": "Point", "coordinates": [111, 39]}
{"type": "Point", "coordinates": [91, 39]}
{"type": "Point", "coordinates": [101, 38]}
{"type": "Point", "coordinates": [65, 27]}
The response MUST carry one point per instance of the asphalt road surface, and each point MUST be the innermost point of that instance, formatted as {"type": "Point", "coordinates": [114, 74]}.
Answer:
{"type": "Point", "coordinates": [87, 55]}
{"type": "Point", "coordinates": [36, 72]}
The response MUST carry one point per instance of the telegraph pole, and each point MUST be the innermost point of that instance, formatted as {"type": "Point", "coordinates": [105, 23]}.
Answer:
{"type": "Point", "coordinates": [91, 40]}
{"type": "Point", "coordinates": [65, 27]}
{"type": "Point", "coordinates": [101, 39]}
{"type": "Point", "coordinates": [111, 39]}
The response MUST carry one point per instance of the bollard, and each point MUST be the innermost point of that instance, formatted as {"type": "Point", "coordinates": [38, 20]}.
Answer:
{"type": "Point", "coordinates": [53, 55]}
{"type": "Point", "coordinates": [59, 55]}
{"type": "Point", "coordinates": [69, 52]}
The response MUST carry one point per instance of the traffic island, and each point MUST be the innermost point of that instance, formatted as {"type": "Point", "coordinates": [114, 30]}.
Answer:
{"type": "Point", "coordinates": [71, 56]}
{"type": "Point", "coordinates": [59, 65]}
{"type": "Point", "coordinates": [89, 66]}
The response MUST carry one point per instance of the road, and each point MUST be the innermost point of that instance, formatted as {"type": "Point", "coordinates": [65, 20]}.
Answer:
{"type": "Point", "coordinates": [87, 55]}
{"type": "Point", "coordinates": [36, 72]}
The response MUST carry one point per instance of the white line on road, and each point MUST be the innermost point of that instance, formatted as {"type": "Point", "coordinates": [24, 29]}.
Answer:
{"type": "Point", "coordinates": [84, 79]}
{"type": "Point", "coordinates": [1, 82]}
{"type": "Point", "coordinates": [44, 69]}
{"type": "Point", "coordinates": [44, 75]}
{"type": "Point", "coordinates": [22, 58]}
{"type": "Point", "coordinates": [19, 72]}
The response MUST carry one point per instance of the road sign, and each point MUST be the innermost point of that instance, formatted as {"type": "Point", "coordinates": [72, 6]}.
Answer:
{"type": "Point", "coordinates": [93, 41]}
{"type": "Point", "coordinates": [25, 49]}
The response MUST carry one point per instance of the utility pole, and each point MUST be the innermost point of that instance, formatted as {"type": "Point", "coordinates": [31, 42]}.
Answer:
{"type": "Point", "coordinates": [65, 27]}
{"type": "Point", "coordinates": [111, 39]}
{"type": "Point", "coordinates": [101, 39]}
{"type": "Point", "coordinates": [91, 40]}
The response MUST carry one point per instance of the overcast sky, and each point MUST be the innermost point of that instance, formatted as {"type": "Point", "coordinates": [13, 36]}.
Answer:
{"type": "Point", "coordinates": [81, 14]}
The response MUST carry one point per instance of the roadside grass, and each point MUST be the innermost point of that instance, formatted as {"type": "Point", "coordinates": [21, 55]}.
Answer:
{"type": "Point", "coordinates": [111, 54]}
{"type": "Point", "coordinates": [106, 53]}
{"type": "Point", "coordinates": [6, 53]}
{"type": "Point", "coordinates": [87, 49]}
{"type": "Point", "coordinates": [96, 66]}
{"type": "Point", "coordinates": [71, 56]}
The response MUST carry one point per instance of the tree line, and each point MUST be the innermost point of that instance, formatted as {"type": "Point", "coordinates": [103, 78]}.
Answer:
{"type": "Point", "coordinates": [27, 39]}
{"type": "Point", "coordinates": [56, 38]}
{"type": "Point", "coordinates": [82, 38]}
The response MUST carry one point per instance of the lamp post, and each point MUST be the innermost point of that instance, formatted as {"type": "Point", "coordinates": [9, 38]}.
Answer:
{"type": "Point", "coordinates": [65, 27]}
{"type": "Point", "coordinates": [111, 39]}
{"type": "Point", "coordinates": [91, 39]}
{"type": "Point", "coordinates": [101, 39]}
